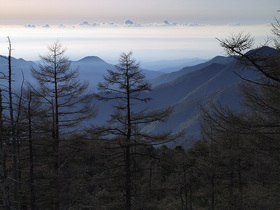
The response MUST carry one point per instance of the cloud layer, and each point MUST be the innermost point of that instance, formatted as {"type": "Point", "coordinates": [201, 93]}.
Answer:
{"type": "Point", "coordinates": [127, 23]}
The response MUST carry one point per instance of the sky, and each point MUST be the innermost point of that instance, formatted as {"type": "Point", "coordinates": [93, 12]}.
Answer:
{"type": "Point", "coordinates": [73, 11]}
{"type": "Point", "coordinates": [153, 29]}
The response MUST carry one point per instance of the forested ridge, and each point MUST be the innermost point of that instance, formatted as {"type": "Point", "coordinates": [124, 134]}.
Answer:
{"type": "Point", "coordinates": [50, 161]}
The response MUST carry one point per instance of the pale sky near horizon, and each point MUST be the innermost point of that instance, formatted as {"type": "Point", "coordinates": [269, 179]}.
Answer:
{"type": "Point", "coordinates": [15, 12]}
{"type": "Point", "coordinates": [199, 23]}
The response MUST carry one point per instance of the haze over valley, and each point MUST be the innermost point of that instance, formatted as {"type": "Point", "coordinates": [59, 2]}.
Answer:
{"type": "Point", "coordinates": [184, 89]}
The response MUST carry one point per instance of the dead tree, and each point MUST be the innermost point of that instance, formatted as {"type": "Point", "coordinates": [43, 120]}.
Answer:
{"type": "Point", "coordinates": [66, 101]}
{"type": "Point", "coordinates": [126, 86]}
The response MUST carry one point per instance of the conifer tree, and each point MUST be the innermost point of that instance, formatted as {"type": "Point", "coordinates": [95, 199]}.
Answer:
{"type": "Point", "coordinates": [65, 100]}
{"type": "Point", "coordinates": [126, 85]}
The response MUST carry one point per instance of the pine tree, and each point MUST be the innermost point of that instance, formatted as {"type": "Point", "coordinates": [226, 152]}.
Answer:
{"type": "Point", "coordinates": [126, 86]}
{"type": "Point", "coordinates": [65, 100]}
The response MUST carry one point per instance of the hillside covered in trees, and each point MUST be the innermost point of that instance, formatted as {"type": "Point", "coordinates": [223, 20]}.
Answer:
{"type": "Point", "coordinates": [55, 156]}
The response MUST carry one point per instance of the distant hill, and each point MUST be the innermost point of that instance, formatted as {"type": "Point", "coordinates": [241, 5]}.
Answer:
{"type": "Point", "coordinates": [174, 75]}
{"type": "Point", "coordinates": [215, 83]}
{"type": "Point", "coordinates": [91, 69]}
{"type": "Point", "coordinates": [176, 90]}
{"type": "Point", "coordinates": [19, 67]}
{"type": "Point", "coordinates": [168, 66]}
{"type": "Point", "coordinates": [91, 59]}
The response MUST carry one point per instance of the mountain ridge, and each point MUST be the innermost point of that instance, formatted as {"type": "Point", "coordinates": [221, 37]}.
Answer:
{"type": "Point", "coordinates": [165, 78]}
{"type": "Point", "coordinates": [91, 59]}
{"type": "Point", "coordinates": [91, 69]}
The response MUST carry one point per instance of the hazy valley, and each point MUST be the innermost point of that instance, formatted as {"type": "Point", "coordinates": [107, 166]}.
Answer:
{"type": "Point", "coordinates": [184, 90]}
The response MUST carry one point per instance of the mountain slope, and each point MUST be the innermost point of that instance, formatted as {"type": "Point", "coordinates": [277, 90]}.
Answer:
{"type": "Point", "coordinates": [20, 67]}
{"type": "Point", "coordinates": [168, 66]}
{"type": "Point", "coordinates": [174, 75]}
{"type": "Point", "coordinates": [216, 83]}
{"type": "Point", "coordinates": [176, 90]}
{"type": "Point", "coordinates": [186, 113]}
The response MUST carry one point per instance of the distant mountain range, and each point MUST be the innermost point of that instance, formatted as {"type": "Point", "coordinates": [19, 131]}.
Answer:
{"type": "Point", "coordinates": [215, 81]}
{"type": "Point", "coordinates": [91, 69]}
{"type": "Point", "coordinates": [188, 69]}
{"type": "Point", "coordinates": [185, 90]}
{"type": "Point", "coordinates": [168, 66]}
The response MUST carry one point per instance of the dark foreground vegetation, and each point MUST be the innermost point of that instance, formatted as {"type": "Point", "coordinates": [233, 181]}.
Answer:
{"type": "Point", "coordinates": [49, 161]}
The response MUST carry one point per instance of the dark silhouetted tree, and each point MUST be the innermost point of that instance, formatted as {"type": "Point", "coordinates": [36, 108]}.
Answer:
{"type": "Point", "coordinates": [126, 85]}
{"type": "Point", "coordinates": [12, 134]}
{"type": "Point", "coordinates": [65, 100]}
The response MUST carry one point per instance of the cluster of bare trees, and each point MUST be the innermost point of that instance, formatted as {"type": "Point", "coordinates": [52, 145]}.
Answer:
{"type": "Point", "coordinates": [47, 110]}
{"type": "Point", "coordinates": [8, 120]}
{"type": "Point", "coordinates": [249, 140]}
{"type": "Point", "coordinates": [45, 115]}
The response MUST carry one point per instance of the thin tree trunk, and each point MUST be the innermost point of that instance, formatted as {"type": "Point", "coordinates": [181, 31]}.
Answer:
{"type": "Point", "coordinates": [127, 148]}
{"type": "Point", "coordinates": [185, 183]}
{"type": "Point", "coordinates": [150, 179]}
{"type": "Point", "coordinates": [12, 124]}
{"type": "Point", "coordinates": [128, 178]}
{"type": "Point", "coordinates": [213, 191]}
{"type": "Point", "coordinates": [5, 190]}
{"type": "Point", "coordinates": [190, 196]}
{"type": "Point", "coordinates": [182, 202]}
{"type": "Point", "coordinates": [239, 175]}
{"type": "Point", "coordinates": [212, 175]}
{"type": "Point", "coordinates": [31, 160]}
{"type": "Point", "coordinates": [231, 182]}
{"type": "Point", "coordinates": [21, 197]}
{"type": "Point", "coordinates": [56, 165]}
